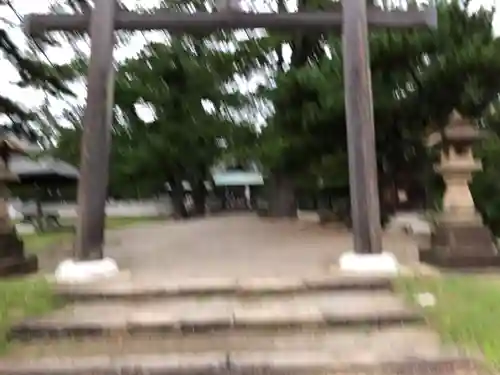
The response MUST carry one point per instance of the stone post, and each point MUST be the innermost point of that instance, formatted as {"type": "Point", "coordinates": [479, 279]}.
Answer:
{"type": "Point", "coordinates": [460, 238]}
{"type": "Point", "coordinates": [12, 257]}
{"type": "Point", "coordinates": [5, 177]}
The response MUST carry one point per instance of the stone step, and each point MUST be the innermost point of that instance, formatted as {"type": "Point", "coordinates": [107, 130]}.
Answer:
{"type": "Point", "coordinates": [302, 363]}
{"type": "Point", "coordinates": [221, 313]}
{"type": "Point", "coordinates": [150, 287]}
{"type": "Point", "coordinates": [343, 344]}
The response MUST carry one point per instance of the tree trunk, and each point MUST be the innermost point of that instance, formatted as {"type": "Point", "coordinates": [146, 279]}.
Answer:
{"type": "Point", "coordinates": [281, 197]}
{"type": "Point", "coordinates": [324, 209]}
{"type": "Point", "coordinates": [178, 205]}
{"type": "Point", "coordinates": [199, 198]}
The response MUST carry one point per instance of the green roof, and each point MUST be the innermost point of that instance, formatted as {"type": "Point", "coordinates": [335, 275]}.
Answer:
{"type": "Point", "coordinates": [238, 178]}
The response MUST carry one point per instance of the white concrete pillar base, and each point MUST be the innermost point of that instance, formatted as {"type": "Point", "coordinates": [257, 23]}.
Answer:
{"type": "Point", "coordinates": [81, 272]}
{"type": "Point", "coordinates": [369, 263]}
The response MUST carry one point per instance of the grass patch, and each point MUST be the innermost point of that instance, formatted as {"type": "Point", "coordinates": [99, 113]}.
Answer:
{"type": "Point", "coordinates": [467, 311]}
{"type": "Point", "coordinates": [37, 242]}
{"type": "Point", "coordinates": [120, 222]}
{"type": "Point", "coordinates": [21, 298]}
{"type": "Point", "coordinates": [33, 296]}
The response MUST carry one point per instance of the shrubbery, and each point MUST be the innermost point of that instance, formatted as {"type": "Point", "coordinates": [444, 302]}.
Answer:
{"type": "Point", "coordinates": [486, 184]}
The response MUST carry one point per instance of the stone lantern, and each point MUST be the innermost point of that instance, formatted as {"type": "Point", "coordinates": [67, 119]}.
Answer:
{"type": "Point", "coordinates": [460, 238]}
{"type": "Point", "coordinates": [12, 257]}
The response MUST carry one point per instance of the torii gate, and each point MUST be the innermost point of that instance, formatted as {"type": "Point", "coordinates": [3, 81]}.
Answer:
{"type": "Point", "coordinates": [353, 20]}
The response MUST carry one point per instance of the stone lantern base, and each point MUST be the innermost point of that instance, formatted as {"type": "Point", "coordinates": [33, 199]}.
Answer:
{"type": "Point", "coordinates": [462, 245]}
{"type": "Point", "coordinates": [12, 257]}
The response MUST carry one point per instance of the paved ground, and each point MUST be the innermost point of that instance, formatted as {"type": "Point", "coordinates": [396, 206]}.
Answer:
{"type": "Point", "coordinates": [240, 246]}
{"type": "Point", "coordinates": [315, 307]}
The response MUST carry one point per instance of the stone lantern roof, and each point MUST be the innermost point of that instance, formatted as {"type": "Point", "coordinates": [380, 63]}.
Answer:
{"type": "Point", "coordinates": [461, 130]}
{"type": "Point", "coordinates": [9, 146]}
{"type": "Point", "coordinates": [12, 145]}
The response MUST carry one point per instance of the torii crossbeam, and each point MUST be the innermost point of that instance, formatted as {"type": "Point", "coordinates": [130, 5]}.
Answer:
{"type": "Point", "coordinates": [353, 20]}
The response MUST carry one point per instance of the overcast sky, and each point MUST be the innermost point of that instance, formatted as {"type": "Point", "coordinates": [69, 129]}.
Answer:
{"type": "Point", "coordinates": [32, 98]}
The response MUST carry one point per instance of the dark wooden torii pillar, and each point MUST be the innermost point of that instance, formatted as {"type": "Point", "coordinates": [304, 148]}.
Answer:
{"type": "Point", "coordinates": [353, 20]}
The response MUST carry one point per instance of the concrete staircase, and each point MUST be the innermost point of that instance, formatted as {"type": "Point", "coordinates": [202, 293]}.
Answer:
{"type": "Point", "coordinates": [329, 325]}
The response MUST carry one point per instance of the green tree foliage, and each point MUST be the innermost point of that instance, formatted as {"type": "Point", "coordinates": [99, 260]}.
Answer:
{"type": "Point", "coordinates": [418, 78]}
{"type": "Point", "coordinates": [186, 84]}
{"type": "Point", "coordinates": [485, 185]}
{"type": "Point", "coordinates": [32, 73]}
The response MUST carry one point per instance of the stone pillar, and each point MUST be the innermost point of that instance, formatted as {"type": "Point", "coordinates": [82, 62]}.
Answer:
{"type": "Point", "coordinates": [460, 238]}
{"type": "Point", "coordinates": [456, 168]}
{"type": "Point", "coordinates": [12, 257]}
{"type": "Point", "coordinates": [5, 221]}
